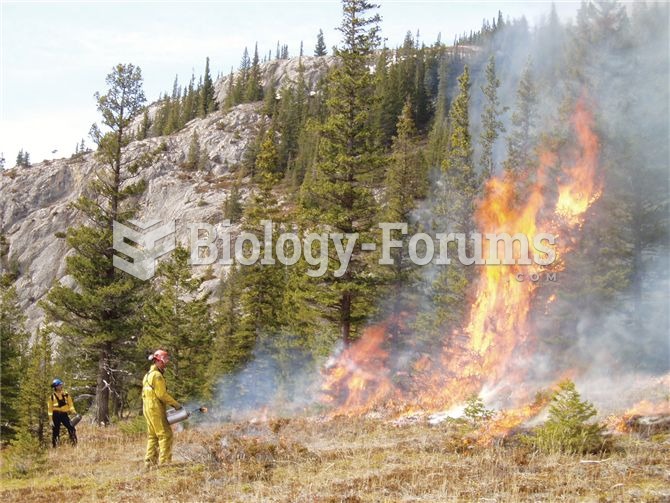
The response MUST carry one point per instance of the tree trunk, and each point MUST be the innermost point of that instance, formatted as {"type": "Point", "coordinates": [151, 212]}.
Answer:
{"type": "Point", "coordinates": [102, 389]}
{"type": "Point", "coordinates": [345, 318]}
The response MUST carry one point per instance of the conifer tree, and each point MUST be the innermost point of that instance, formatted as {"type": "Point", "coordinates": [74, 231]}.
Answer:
{"type": "Point", "coordinates": [347, 158]}
{"type": "Point", "coordinates": [145, 127]}
{"type": "Point", "coordinates": [521, 140]}
{"type": "Point", "coordinates": [189, 103]}
{"type": "Point", "coordinates": [253, 87]}
{"type": "Point", "coordinates": [176, 318]}
{"type": "Point", "coordinates": [97, 315]}
{"type": "Point", "coordinates": [206, 100]}
{"type": "Point", "coordinates": [174, 110]}
{"type": "Point", "coordinates": [406, 182]}
{"type": "Point", "coordinates": [320, 49]}
{"type": "Point", "coordinates": [13, 342]}
{"type": "Point", "coordinates": [492, 126]}
{"type": "Point", "coordinates": [230, 90]}
{"type": "Point", "coordinates": [261, 284]}
{"type": "Point", "coordinates": [456, 196]}
{"type": "Point", "coordinates": [232, 351]}
{"type": "Point", "coordinates": [461, 179]}
{"type": "Point", "coordinates": [232, 206]}
{"type": "Point", "coordinates": [35, 387]}
{"type": "Point", "coordinates": [193, 157]}
{"type": "Point", "coordinates": [27, 451]}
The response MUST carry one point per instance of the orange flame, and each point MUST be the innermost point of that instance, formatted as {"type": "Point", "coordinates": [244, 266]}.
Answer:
{"type": "Point", "coordinates": [497, 334]}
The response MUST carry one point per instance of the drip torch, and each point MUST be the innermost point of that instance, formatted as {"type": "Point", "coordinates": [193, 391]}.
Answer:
{"type": "Point", "coordinates": [177, 416]}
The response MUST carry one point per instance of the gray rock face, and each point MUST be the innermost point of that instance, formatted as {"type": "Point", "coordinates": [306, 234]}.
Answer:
{"type": "Point", "coordinates": [283, 72]}
{"type": "Point", "coordinates": [35, 201]}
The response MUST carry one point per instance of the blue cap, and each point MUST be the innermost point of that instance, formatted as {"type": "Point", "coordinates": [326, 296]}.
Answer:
{"type": "Point", "coordinates": [56, 382]}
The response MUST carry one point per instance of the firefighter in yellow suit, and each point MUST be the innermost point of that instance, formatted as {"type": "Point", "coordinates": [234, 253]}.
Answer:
{"type": "Point", "coordinates": [154, 400]}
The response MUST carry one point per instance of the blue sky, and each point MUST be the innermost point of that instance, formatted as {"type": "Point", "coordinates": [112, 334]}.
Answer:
{"type": "Point", "coordinates": [55, 55]}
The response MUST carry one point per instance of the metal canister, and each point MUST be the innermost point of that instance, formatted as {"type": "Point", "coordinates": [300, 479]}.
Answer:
{"type": "Point", "coordinates": [75, 420]}
{"type": "Point", "coordinates": [176, 416]}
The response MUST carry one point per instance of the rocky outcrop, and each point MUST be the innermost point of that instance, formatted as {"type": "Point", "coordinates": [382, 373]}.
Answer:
{"type": "Point", "coordinates": [35, 202]}
{"type": "Point", "coordinates": [279, 73]}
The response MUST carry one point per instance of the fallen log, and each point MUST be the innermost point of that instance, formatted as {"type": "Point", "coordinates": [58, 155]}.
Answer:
{"type": "Point", "coordinates": [649, 425]}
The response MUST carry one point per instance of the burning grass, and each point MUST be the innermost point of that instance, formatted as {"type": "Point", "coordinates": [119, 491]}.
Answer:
{"type": "Point", "coordinates": [343, 459]}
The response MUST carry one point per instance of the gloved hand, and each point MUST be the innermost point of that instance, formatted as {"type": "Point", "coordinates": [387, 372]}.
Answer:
{"type": "Point", "coordinates": [178, 407]}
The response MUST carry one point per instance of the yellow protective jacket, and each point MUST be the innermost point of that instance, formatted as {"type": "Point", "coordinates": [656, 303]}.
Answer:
{"type": "Point", "coordinates": [60, 402]}
{"type": "Point", "coordinates": [159, 433]}
{"type": "Point", "coordinates": [154, 391]}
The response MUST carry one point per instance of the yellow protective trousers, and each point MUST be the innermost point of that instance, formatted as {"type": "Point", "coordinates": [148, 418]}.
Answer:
{"type": "Point", "coordinates": [159, 432]}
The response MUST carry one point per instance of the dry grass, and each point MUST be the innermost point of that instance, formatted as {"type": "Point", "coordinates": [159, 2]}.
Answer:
{"type": "Point", "coordinates": [343, 460]}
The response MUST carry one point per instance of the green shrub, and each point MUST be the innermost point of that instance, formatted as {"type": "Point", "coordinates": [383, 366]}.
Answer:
{"type": "Point", "coordinates": [26, 455]}
{"type": "Point", "coordinates": [568, 428]}
{"type": "Point", "coordinates": [476, 412]}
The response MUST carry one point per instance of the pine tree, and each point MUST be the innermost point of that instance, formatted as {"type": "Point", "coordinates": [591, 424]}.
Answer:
{"type": "Point", "coordinates": [230, 90]}
{"type": "Point", "coordinates": [231, 351]}
{"type": "Point", "coordinates": [347, 158]}
{"type": "Point", "coordinates": [253, 88]}
{"type": "Point", "coordinates": [35, 387]}
{"type": "Point", "coordinates": [455, 206]}
{"type": "Point", "coordinates": [189, 103]}
{"type": "Point", "coordinates": [206, 99]}
{"type": "Point", "coordinates": [568, 428]}
{"type": "Point", "coordinates": [462, 184]}
{"type": "Point", "coordinates": [13, 341]}
{"type": "Point", "coordinates": [521, 140]}
{"type": "Point", "coordinates": [492, 126]}
{"type": "Point", "coordinates": [320, 49]}
{"type": "Point", "coordinates": [406, 182]}
{"type": "Point", "coordinates": [145, 127]}
{"type": "Point", "coordinates": [27, 452]}
{"type": "Point", "coordinates": [19, 158]}
{"type": "Point", "coordinates": [232, 206]}
{"type": "Point", "coordinates": [193, 157]}
{"type": "Point", "coordinates": [176, 318]}
{"type": "Point", "coordinates": [261, 285]}
{"type": "Point", "coordinates": [97, 316]}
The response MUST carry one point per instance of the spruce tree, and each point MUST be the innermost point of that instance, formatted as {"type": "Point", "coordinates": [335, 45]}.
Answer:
{"type": "Point", "coordinates": [97, 315]}
{"type": "Point", "coordinates": [253, 88]}
{"type": "Point", "coordinates": [232, 351]}
{"type": "Point", "coordinates": [35, 387]}
{"type": "Point", "coordinates": [492, 126]}
{"type": "Point", "coordinates": [347, 160]}
{"type": "Point", "coordinates": [461, 180]}
{"type": "Point", "coordinates": [193, 157]}
{"type": "Point", "coordinates": [206, 99]}
{"type": "Point", "coordinates": [521, 140]}
{"type": "Point", "coordinates": [261, 285]}
{"type": "Point", "coordinates": [189, 103]}
{"type": "Point", "coordinates": [176, 318]}
{"type": "Point", "coordinates": [13, 342]}
{"type": "Point", "coordinates": [320, 49]}
{"type": "Point", "coordinates": [406, 182]}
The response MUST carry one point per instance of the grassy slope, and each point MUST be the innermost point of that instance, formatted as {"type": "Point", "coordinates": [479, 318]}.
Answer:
{"type": "Point", "coordinates": [341, 460]}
